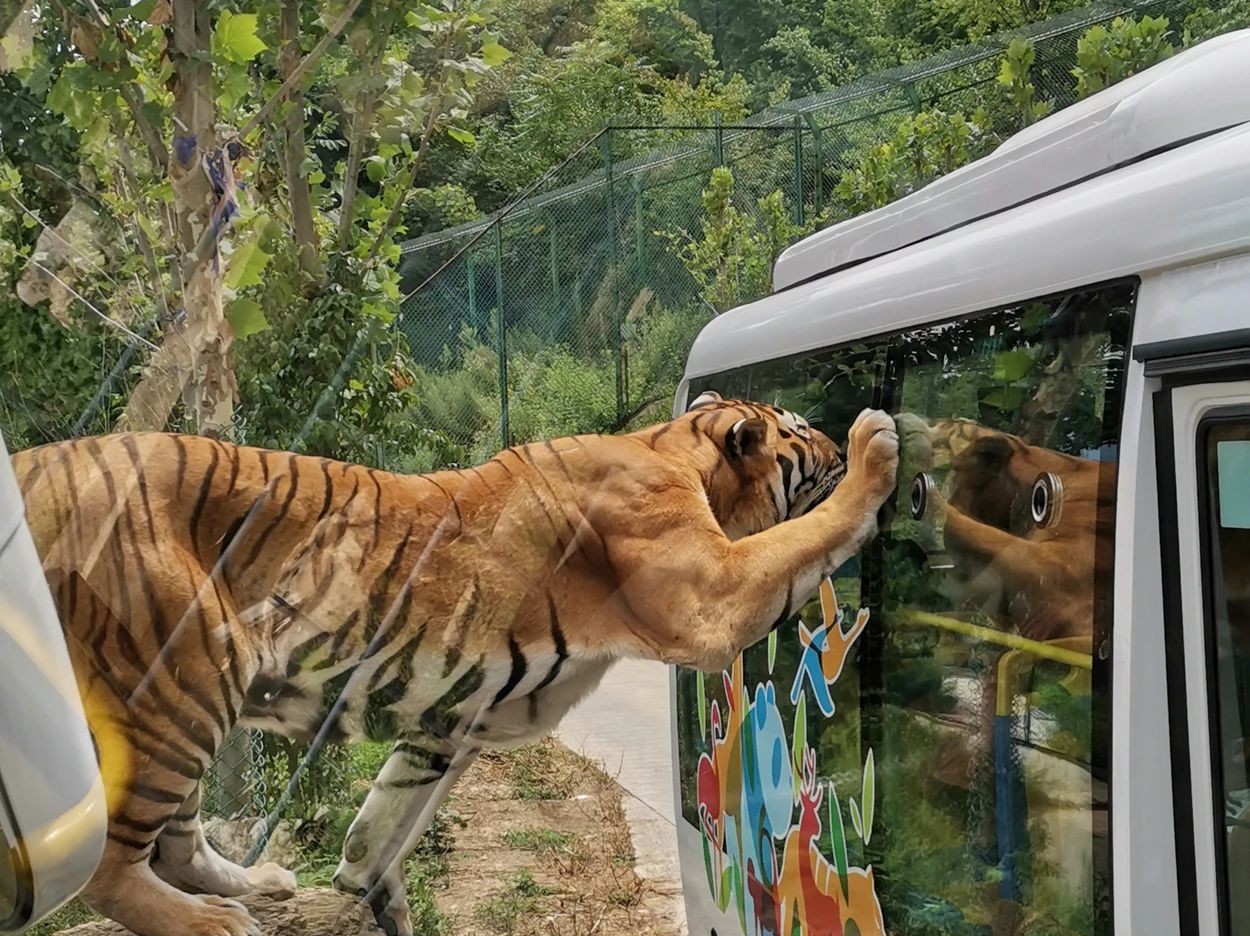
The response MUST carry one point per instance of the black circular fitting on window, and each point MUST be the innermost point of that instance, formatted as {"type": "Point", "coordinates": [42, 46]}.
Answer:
{"type": "Point", "coordinates": [920, 501]}
{"type": "Point", "coordinates": [1046, 499]}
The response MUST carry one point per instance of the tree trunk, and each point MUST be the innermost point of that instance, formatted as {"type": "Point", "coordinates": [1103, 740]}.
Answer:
{"type": "Point", "coordinates": [293, 151]}
{"type": "Point", "coordinates": [207, 384]}
{"type": "Point", "coordinates": [361, 121]}
{"type": "Point", "coordinates": [153, 399]}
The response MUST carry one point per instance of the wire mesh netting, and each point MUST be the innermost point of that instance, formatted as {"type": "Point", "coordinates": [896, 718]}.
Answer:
{"type": "Point", "coordinates": [573, 311]}
{"type": "Point", "coordinates": [543, 320]}
{"type": "Point", "coordinates": [575, 267]}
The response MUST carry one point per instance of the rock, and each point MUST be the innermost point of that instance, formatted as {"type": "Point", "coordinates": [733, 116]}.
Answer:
{"type": "Point", "coordinates": [233, 839]}
{"type": "Point", "coordinates": [312, 912]}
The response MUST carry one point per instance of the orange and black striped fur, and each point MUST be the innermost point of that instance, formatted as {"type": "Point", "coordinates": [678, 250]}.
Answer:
{"type": "Point", "coordinates": [204, 585]}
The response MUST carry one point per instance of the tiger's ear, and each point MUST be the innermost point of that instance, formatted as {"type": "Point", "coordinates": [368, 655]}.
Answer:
{"type": "Point", "coordinates": [704, 398]}
{"type": "Point", "coordinates": [748, 443]}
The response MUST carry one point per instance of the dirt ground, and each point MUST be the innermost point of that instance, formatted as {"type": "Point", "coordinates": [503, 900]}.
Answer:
{"type": "Point", "coordinates": [532, 842]}
{"type": "Point", "coordinates": [541, 848]}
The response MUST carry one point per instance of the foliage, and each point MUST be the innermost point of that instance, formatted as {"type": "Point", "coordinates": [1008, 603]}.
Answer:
{"type": "Point", "coordinates": [795, 47]}
{"type": "Point", "coordinates": [923, 147]}
{"type": "Point", "coordinates": [1014, 75]}
{"type": "Point", "coordinates": [732, 258]}
{"type": "Point", "coordinates": [635, 61]}
{"type": "Point", "coordinates": [1207, 22]}
{"type": "Point", "coordinates": [1107, 54]}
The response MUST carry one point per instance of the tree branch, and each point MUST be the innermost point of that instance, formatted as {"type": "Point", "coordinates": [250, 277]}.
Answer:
{"type": "Point", "coordinates": [366, 101]}
{"type": "Point", "coordinates": [294, 147]}
{"type": "Point", "coordinates": [293, 78]}
{"type": "Point", "coordinates": [418, 159]}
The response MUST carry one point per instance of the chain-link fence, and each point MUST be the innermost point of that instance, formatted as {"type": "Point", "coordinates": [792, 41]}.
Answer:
{"type": "Point", "coordinates": [565, 299]}
{"type": "Point", "coordinates": [571, 310]}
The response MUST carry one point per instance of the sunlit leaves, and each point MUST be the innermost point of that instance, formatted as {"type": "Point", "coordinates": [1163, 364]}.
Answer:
{"type": "Point", "coordinates": [493, 54]}
{"type": "Point", "coordinates": [1108, 54]}
{"type": "Point", "coordinates": [461, 135]}
{"type": "Point", "coordinates": [235, 38]}
{"type": "Point", "coordinates": [246, 317]}
{"type": "Point", "coordinates": [246, 264]}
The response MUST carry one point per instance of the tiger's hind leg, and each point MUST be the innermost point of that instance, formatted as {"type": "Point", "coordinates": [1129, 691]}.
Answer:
{"type": "Point", "coordinates": [125, 888]}
{"type": "Point", "coordinates": [161, 732]}
{"type": "Point", "coordinates": [185, 859]}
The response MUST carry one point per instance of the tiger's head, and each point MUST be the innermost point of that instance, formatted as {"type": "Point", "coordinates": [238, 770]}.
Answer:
{"type": "Point", "coordinates": [773, 465]}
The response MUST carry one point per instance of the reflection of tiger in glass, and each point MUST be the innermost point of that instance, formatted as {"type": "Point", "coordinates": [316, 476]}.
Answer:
{"type": "Point", "coordinates": [1035, 578]}
{"type": "Point", "coordinates": [204, 585]}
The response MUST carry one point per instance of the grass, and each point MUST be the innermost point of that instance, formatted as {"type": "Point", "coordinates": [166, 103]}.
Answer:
{"type": "Point", "coordinates": [72, 914]}
{"type": "Point", "coordinates": [503, 910]}
{"type": "Point", "coordinates": [540, 772]}
{"type": "Point", "coordinates": [537, 839]}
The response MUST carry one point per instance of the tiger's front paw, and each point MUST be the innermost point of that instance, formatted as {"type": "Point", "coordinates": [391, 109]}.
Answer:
{"type": "Point", "coordinates": [872, 455]}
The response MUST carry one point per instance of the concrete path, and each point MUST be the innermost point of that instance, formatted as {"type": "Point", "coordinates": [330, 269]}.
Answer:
{"type": "Point", "coordinates": [624, 725]}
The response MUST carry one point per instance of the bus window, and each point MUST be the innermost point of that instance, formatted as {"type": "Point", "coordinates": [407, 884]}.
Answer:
{"type": "Point", "coordinates": [923, 749]}
{"type": "Point", "coordinates": [1225, 452]}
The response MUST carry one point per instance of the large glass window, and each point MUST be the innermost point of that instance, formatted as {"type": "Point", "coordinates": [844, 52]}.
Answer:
{"type": "Point", "coordinates": [1225, 452]}
{"type": "Point", "coordinates": [924, 749]}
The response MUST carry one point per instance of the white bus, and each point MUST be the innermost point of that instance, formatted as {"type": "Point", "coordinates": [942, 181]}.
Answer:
{"type": "Point", "coordinates": [1025, 708]}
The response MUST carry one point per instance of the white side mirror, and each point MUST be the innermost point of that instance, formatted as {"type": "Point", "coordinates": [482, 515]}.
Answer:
{"type": "Point", "coordinates": [53, 817]}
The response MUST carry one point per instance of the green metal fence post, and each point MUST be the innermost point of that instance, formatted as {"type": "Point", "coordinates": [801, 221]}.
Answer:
{"type": "Point", "coordinates": [472, 293]}
{"type": "Point", "coordinates": [502, 337]}
{"type": "Point", "coordinates": [818, 147]}
{"type": "Point", "coordinates": [798, 170]}
{"type": "Point", "coordinates": [913, 96]}
{"type": "Point", "coordinates": [615, 273]}
{"type": "Point", "coordinates": [640, 243]}
{"type": "Point", "coordinates": [555, 274]}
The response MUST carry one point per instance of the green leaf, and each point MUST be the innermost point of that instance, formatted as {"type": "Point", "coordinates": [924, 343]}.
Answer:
{"type": "Point", "coordinates": [461, 136]}
{"type": "Point", "coordinates": [1012, 365]}
{"type": "Point", "coordinates": [246, 265]}
{"type": "Point", "coordinates": [772, 650]}
{"type": "Point", "coordinates": [375, 168]}
{"type": "Point", "coordinates": [837, 833]}
{"type": "Point", "coordinates": [74, 104]}
{"type": "Point", "coordinates": [246, 317]}
{"type": "Point", "coordinates": [235, 39]}
{"type": "Point", "coordinates": [494, 55]}
{"type": "Point", "coordinates": [869, 793]}
{"type": "Point", "coordinates": [799, 743]}
{"type": "Point", "coordinates": [233, 86]}
{"type": "Point", "coordinates": [316, 177]}
{"type": "Point", "coordinates": [1007, 399]}
{"type": "Point", "coordinates": [856, 820]}
{"type": "Point", "coordinates": [700, 695]}
{"type": "Point", "coordinates": [143, 9]}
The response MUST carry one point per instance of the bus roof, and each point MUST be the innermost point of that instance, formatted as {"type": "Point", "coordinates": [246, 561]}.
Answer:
{"type": "Point", "coordinates": [1188, 207]}
{"type": "Point", "coordinates": [1191, 95]}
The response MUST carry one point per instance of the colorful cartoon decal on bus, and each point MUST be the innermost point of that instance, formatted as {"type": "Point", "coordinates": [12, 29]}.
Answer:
{"type": "Point", "coordinates": [762, 809]}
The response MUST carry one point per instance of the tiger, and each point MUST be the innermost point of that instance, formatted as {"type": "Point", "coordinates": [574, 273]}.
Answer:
{"type": "Point", "coordinates": [1038, 579]}
{"type": "Point", "coordinates": [1035, 580]}
{"type": "Point", "coordinates": [204, 585]}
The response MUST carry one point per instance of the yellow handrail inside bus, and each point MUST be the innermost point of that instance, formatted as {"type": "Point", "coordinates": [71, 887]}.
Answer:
{"type": "Point", "coordinates": [1061, 650]}
{"type": "Point", "coordinates": [1048, 651]}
